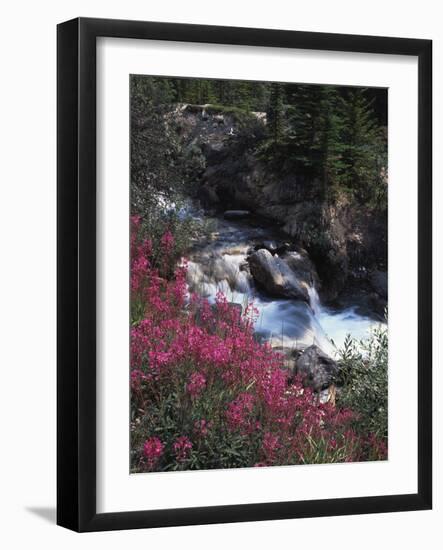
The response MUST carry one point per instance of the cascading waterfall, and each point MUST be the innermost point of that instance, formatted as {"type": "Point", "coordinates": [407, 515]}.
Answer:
{"type": "Point", "coordinates": [314, 299]}
{"type": "Point", "coordinates": [221, 266]}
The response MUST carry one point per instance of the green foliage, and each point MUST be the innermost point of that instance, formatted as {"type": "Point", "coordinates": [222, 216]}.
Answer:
{"type": "Point", "coordinates": [156, 169]}
{"type": "Point", "coordinates": [173, 414]}
{"type": "Point", "coordinates": [207, 394]}
{"type": "Point", "coordinates": [163, 171]}
{"type": "Point", "coordinates": [331, 134]}
{"type": "Point", "coordinates": [275, 121]}
{"type": "Point", "coordinates": [246, 95]}
{"type": "Point", "coordinates": [364, 368]}
{"type": "Point", "coordinates": [364, 154]}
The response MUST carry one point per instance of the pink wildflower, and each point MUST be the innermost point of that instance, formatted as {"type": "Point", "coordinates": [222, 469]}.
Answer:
{"type": "Point", "coordinates": [238, 412]}
{"type": "Point", "coordinates": [196, 384]}
{"type": "Point", "coordinates": [167, 242]}
{"type": "Point", "coordinates": [182, 447]}
{"type": "Point", "coordinates": [270, 446]}
{"type": "Point", "coordinates": [172, 331]}
{"type": "Point", "coordinates": [152, 450]}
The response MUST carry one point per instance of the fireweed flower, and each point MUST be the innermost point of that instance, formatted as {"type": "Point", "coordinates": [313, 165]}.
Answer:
{"type": "Point", "coordinates": [152, 451]}
{"type": "Point", "coordinates": [173, 331]}
{"type": "Point", "coordinates": [182, 447]}
{"type": "Point", "coordinates": [196, 384]}
{"type": "Point", "coordinates": [270, 446]}
{"type": "Point", "coordinates": [238, 412]}
{"type": "Point", "coordinates": [167, 242]}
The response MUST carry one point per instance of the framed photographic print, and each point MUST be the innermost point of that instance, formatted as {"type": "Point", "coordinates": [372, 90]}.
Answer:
{"type": "Point", "coordinates": [244, 274]}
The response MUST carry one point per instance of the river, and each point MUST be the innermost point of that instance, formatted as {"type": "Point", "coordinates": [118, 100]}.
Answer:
{"type": "Point", "coordinates": [220, 264]}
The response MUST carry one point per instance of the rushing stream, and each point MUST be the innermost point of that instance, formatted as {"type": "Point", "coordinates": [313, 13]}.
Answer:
{"type": "Point", "coordinates": [221, 265]}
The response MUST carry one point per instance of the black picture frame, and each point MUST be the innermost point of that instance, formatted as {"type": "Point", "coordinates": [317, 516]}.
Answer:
{"type": "Point", "coordinates": [76, 265]}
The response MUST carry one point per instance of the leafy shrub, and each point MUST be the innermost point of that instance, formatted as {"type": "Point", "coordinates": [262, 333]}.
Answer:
{"type": "Point", "coordinates": [163, 168]}
{"type": "Point", "coordinates": [364, 367]}
{"type": "Point", "coordinates": [205, 394]}
{"type": "Point", "coordinates": [172, 220]}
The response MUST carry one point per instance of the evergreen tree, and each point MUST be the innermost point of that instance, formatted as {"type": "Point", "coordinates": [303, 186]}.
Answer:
{"type": "Point", "coordinates": [181, 87]}
{"type": "Point", "coordinates": [314, 130]}
{"type": "Point", "coordinates": [364, 155]}
{"type": "Point", "coordinates": [328, 146]}
{"type": "Point", "coordinates": [325, 133]}
{"type": "Point", "coordinates": [276, 114]}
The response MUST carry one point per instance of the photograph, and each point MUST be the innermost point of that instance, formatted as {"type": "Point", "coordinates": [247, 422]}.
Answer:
{"type": "Point", "coordinates": [225, 223]}
{"type": "Point", "coordinates": [258, 274]}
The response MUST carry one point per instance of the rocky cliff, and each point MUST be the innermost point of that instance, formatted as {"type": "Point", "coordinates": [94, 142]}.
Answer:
{"type": "Point", "coordinates": [345, 240]}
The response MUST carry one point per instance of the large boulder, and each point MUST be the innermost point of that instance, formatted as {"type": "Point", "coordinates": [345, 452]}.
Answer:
{"type": "Point", "coordinates": [274, 247]}
{"type": "Point", "coordinates": [274, 275]}
{"type": "Point", "coordinates": [270, 245]}
{"type": "Point", "coordinates": [317, 369]}
{"type": "Point", "coordinates": [302, 266]}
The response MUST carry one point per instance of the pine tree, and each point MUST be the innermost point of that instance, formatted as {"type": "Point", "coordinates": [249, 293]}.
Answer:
{"type": "Point", "coordinates": [363, 154]}
{"type": "Point", "coordinates": [328, 146]}
{"type": "Point", "coordinates": [314, 130]}
{"type": "Point", "coordinates": [276, 114]}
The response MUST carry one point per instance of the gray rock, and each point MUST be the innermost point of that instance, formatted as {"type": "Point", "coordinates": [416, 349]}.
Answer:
{"type": "Point", "coordinates": [317, 369]}
{"type": "Point", "coordinates": [276, 277]}
{"type": "Point", "coordinates": [302, 266]}
{"type": "Point", "coordinates": [274, 247]}
{"type": "Point", "coordinates": [219, 119]}
{"type": "Point", "coordinates": [379, 282]}
{"type": "Point", "coordinates": [236, 214]}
